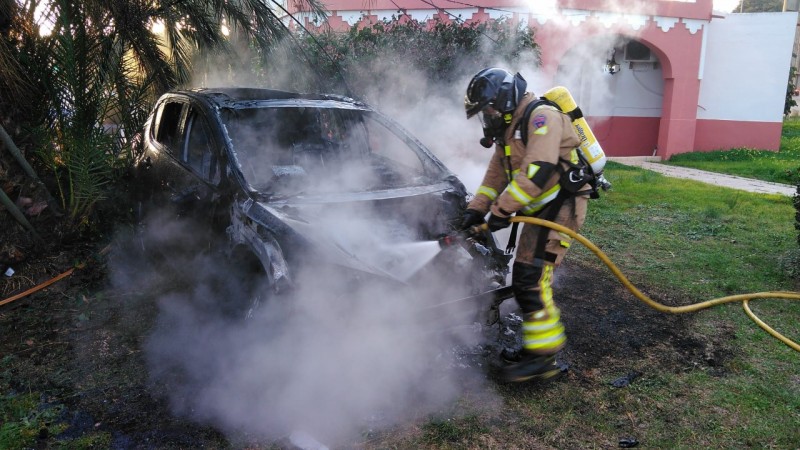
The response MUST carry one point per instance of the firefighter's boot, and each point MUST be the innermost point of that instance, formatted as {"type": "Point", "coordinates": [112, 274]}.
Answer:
{"type": "Point", "coordinates": [512, 355]}
{"type": "Point", "coordinates": [543, 337]}
{"type": "Point", "coordinates": [531, 367]}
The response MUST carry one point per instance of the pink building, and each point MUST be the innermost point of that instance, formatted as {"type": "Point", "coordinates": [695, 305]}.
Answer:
{"type": "Point", "coordinates": [688, 78]}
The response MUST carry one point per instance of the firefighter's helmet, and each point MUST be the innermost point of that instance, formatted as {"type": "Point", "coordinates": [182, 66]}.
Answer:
{"type": "Point", "coordinates": [494, 87]}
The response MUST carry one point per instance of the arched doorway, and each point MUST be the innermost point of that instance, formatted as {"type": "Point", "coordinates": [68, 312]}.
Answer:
{"type": "Point", "coordinates": [619, 85]}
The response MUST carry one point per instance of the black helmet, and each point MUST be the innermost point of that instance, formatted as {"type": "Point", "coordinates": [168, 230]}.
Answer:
{"type": "Point", "coordinates": [494, 87]}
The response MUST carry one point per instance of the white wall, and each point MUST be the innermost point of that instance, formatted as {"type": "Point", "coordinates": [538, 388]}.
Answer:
{"type": "Point", "coordinates": [746, 67]}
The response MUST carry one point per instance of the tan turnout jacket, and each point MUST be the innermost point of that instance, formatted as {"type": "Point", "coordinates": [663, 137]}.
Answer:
{"type": "Point", "coordinates": [550, 136]}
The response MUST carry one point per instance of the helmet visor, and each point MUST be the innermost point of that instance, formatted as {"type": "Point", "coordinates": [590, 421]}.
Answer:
{"type": "Point", "coordinates": [479, 94]}
{"type": "Point", "coordinates": [472, 107]}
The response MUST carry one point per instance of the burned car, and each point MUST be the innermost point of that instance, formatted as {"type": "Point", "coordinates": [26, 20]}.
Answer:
{"type": "Point", "coordinates": [282, 180]}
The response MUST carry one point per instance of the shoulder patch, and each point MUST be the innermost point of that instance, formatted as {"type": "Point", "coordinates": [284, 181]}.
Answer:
{"type": "Point", "coordinates": [539, 120]}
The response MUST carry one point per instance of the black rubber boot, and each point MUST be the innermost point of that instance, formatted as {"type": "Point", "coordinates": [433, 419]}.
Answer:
{"type": "Point", "coordinates": [512, 355]}
{"type": "Point", "coordinates": [531, 368]}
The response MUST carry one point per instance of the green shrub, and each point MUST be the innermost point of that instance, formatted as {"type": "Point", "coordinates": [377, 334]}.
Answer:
{"type": "Point", "coordinates": [441, 51]}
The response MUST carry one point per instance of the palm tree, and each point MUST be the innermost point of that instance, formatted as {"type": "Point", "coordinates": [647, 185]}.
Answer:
{"type": "Point", "coordinates": [67, 68]}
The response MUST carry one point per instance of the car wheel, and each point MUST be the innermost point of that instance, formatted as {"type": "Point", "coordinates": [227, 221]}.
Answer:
{"type": "Point", "coordinates": [253, 290]}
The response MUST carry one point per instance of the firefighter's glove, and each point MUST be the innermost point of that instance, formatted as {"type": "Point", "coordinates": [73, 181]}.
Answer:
{"type": "Point", "coordinates": [499, 219]}
{"type": "Point", "coordinates": [472, 217]}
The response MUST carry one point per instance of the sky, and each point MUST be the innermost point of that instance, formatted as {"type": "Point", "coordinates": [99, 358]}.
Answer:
{"type": "Point", "coordinates": [725, 5]}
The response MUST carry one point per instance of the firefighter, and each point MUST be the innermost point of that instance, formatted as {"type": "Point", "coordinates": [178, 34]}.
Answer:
{"type": "Point", "coordinates": [538, 174]}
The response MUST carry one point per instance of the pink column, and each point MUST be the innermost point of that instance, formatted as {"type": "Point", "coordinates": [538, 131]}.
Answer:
{"type": "Point", "coordinates": [679, 115]}
{"type": "Point", "coordinates": [679, 53]}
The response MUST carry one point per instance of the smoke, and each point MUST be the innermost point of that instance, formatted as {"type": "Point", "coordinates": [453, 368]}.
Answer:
{"type": "Point", "coordinates": [339, 355]}
{"type": "Point", "coordinates": [334, 358]}
{"type": "Point", "coordinates": [280, 67]}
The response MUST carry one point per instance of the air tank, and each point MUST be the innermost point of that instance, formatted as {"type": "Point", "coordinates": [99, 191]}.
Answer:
{"type": "Point", "coordinates": [589, 146]}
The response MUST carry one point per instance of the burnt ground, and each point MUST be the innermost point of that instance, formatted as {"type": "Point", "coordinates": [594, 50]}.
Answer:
{"type": "Point", "coordinates": [81, 347]}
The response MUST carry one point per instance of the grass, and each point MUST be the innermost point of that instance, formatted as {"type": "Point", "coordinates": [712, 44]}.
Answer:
{"type": "Point", "coordinates": [33, 420]}
{"type": "Point", "coordinates": [703, 242]}
{"type": "Point", "coordinates": [782, 166]}
{"type": "Point", "coordinates": [706, 240]}
{"type": "Point", "coordinates": [696, 242]}
{"type": "Point", "coordinates": [691, 240]}
{"type": "Point", "coordinates": [26, 421]}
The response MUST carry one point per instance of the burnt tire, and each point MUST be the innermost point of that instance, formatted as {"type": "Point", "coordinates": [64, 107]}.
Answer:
{"type": "Point", "coordinates": [252, 289]}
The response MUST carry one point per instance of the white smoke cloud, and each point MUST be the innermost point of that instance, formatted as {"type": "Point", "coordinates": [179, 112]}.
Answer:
{"type": "Point", "coordinates": [336, 357]}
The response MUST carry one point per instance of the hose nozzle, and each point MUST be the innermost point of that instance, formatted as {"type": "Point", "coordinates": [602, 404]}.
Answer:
{"type": "Point", "coordinates": [476, 232]}
{"type": "Point", "coordinates": [450, 240]}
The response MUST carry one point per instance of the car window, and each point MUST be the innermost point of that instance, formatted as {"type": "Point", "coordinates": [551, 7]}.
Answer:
{"type": "Point", "coordinates": [199, 150]}
{"type": "Point", "coordinates": [390, 150]}
{"type": "Point", "coordinates": [320, 150]}
{"type": "Point", "coordinates": [169, 125]}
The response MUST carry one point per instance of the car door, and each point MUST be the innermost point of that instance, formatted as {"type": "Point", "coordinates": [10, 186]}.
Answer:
{"type": "Point", "coordinates": [185, 159]}
{"type": "Point", "coordinates": [158, 168]}
{"type": "Point", "coordinates": [203, 194]}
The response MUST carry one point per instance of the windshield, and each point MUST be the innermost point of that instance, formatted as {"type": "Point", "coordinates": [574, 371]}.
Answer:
{"type": "Point", "coordinates": [292, 150]}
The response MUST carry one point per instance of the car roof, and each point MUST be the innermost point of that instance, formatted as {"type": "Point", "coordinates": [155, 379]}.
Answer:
{"type": "Point", "coordinates": [239, 97]}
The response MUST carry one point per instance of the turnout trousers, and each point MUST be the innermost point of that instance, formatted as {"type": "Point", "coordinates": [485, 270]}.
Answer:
{"type": "Point", "coordinates": [532, 275]}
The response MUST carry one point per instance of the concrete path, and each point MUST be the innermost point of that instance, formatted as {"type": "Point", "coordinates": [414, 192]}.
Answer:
{"type": "Point", "coordinates": [730, 181]}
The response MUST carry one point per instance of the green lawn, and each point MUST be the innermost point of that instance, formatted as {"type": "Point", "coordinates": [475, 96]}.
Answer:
{"type": "Point", "coordinates": [693, 241]}
{"type": "Point", "coordinates": [688, 239]}
{"type": "Point", "coordinates": [782, 166]}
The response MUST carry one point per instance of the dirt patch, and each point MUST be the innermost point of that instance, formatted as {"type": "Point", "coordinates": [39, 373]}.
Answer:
{"type": "Point", "coordinates": [612, 328]}
{"type": "Point", "coordinates": [81, 346]}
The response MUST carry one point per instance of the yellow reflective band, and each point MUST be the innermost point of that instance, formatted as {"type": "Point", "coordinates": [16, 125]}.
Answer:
{"type": "Point", "coordinates": [544, 316]}
{"type": "Point", "coordinates": [531, 210]}
{"type": "Point", "coordinates": [556, 337]}
{"type": "Point", "coordinates": [507, 149]}
{"type": "Point", "coordinates": [532, 169]}
{"type": "Point", "coordinates": [519, 195]}
{"type": "Point", "coordinates": [545, 343]}
{"type": "Point", "coordinates": [573, 156]}
{"type": "Point", "coordinates": [539, 202]}
{"type": "Point", "coordinates": [488, 192]}
{"type": "Point", "coordinates": [541, 131]}
{"type": "Point", "coordinates": [554, 332]}
{"type": "Point", "coordinates": [546, 292]}
{"type": "Point", "coordinates": [507, 117]}
{"type": "Point", "coordinates": [565, 244]}
{"type": "Point", "coordinates": [515, 172]}
{"type": "Point", "coordinates": [540, 326]}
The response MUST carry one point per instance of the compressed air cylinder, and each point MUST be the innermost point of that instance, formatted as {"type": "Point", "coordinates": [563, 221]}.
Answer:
{"type": "Point", "coordinates": [589, 146]}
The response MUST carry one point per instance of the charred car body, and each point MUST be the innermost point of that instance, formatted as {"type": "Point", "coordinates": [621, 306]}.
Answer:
{"type": "Point", "coordinates": [283, 180]}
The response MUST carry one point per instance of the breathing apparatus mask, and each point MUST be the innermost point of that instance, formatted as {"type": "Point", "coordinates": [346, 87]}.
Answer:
{"type": "Point", "coordinates": [501, 91]}
{"type": "Point", "coordinates": [494, 127]}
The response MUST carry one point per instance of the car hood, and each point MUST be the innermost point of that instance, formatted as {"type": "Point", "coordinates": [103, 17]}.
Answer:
{"type": "Point", "coordinates": [363, 231]}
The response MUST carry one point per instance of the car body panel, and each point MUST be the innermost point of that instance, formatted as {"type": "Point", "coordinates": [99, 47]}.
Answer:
{"type": "Point", "coordinates": [297, 178]}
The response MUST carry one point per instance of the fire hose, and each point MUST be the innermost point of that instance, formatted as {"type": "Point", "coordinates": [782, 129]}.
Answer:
{"type": "Point", "coordinates": [744, 298]}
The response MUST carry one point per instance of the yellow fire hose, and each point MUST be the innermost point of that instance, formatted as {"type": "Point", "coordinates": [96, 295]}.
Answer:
{"type": "Point", "coordinates": [744, 298]}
